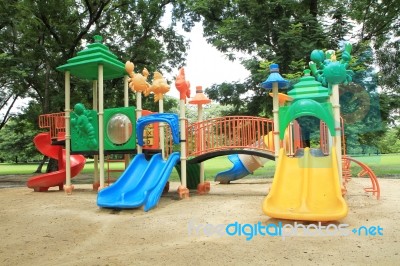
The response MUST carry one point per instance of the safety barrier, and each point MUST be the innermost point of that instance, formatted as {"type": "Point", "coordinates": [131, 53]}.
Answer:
{"type": "Point", "coordinates": [227, 133]}
{"type": "Point", "coordinates": [55, 122]}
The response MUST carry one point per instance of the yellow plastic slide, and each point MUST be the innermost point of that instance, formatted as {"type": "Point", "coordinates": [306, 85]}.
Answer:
{"type": "Point", "coordinates": [306, 188]}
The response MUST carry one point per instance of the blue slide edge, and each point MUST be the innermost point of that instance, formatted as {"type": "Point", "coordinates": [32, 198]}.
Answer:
{"type": "Point", "coordinates": [109, 197]}
{"type": "Point", "coordinates": [156, 192]}
{"type": "Point", "coordinates": [113, 196]}
{"type": "Point", "coordinates": [237, 171]}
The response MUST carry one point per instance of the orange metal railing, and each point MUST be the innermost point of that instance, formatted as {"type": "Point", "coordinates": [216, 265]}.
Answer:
{"type": "Point", "coordinates": [226, 133]}
{"type": "Point", "coordinates": [324, 137]}
{"type": "Point", "coordinates": [168, 141]}
{"type": "Point", "coordinates": [366, 171]}
{"type": "Point", "coordinates": [292, 140]}
{"type": "Point", "coordinates": [55, 123]}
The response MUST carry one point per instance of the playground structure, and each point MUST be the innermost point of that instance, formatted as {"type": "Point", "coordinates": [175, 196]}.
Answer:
{"type": "Point", "coordinates": [309, 183]}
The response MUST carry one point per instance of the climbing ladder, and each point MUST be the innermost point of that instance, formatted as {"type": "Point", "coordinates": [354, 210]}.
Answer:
{"type": "Point", "coordinates": [110, 161]}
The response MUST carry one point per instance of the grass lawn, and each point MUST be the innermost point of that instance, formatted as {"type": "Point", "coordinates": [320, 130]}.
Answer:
{"type": "Point", "coordinates": [383, 166]}
{"type": "Point", "coordinates": [18, 169]}
{"type": "Point", "coordinates": [212, 167]}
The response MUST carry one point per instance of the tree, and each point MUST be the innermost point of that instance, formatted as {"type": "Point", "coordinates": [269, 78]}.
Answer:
{"type": "Point", "coordinates": [390, 142]}
{"type": "Point", "coordinates": [285, 32]}
{"type": "Point", "coordinates": [379, 23]}
{"type": "Point", "coordinates": [41, 35]}
{"type": "Point", "coordinates": [210, 111]}
{"type": "Point", "coordinates": [16, 141]}
{"type": "Point", "coordinates": [267, 32]}
{"type": "Point", "coordinates": [38, 36]}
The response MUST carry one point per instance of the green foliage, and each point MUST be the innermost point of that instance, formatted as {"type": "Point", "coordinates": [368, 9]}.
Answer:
{"type": "Point", "coordinates": [268, 29]}
{"type": "Point", "coordinates": [38, 36]}
{"type": "Point", "coordinates": [285, 32]}
{"type": "Point", "coordinates": [296, 67]}
{"type": "Point", "coordinates": [282, 32]}
{"type": "Point", "coordinates": [229, 94]}
{"type": "Point", "coordinates": [210, 111]}
{"type": "Point", "coordinates": [16, 143]}
{"type": "Point", "coordinates": [390, 142]}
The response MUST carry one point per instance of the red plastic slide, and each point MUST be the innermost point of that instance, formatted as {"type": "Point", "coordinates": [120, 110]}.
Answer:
{"type": "Point", "coordinates": [42, 182]}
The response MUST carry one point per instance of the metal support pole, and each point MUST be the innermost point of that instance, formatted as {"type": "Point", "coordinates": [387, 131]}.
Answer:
{"type": "Point", "coordinates": [126, 104]}
{"type": "Point", "coordinates": [183, 142]}
{"type": "Point", "coordinates": [139, 115]}
{"type": "Point", "coordinates": [161, 127]}
{"type": "Point", "coordinates": [96, 180]}
{"type": "Point", "coordinates": [337, 139]}
{"type": "Point", "coordinates": [200, 119]}
{"type": "Point", "coordinates": [276, 120]}
{"type": "Point", "coordinates": [101, 124]}
{"type": "Point", "coordinates": [68, 187]}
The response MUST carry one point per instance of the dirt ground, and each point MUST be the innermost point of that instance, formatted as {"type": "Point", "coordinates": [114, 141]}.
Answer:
{"type": "Point", "coordinates": [55, 229]}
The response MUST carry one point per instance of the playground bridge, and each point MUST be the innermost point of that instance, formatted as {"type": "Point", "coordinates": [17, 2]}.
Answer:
{"type": "Point", "coordinates": [227, 135]}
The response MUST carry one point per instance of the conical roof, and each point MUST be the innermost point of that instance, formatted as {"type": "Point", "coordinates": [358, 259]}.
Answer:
{"type": "Point", "coordinates": [85, 64]}
{"type": "Point", "coordinates": [309, 88]}
{"type": "Point", "coordinates": [274, 77]}
{"type": "Point", "coordinates": [199, 98]}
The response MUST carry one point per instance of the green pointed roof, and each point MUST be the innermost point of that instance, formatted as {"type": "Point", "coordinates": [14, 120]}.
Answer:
{"type": "Point", "coordinates": [309, 88]}
{"type": "Point", "coordinates": [85, 64]}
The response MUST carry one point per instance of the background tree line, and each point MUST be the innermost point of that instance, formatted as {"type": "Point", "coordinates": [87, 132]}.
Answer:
{"type": "Point", "coordinates": [38, 36]}
{"type": "Point", "coordinates": [285, 32]}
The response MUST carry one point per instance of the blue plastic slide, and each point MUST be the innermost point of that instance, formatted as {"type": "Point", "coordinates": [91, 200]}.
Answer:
{"type": "Point", "coordinates": [142, 183]}
{"type": "Point", "coordinates": [237, 171]}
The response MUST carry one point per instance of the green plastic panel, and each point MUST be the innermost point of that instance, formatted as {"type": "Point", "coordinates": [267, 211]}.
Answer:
{"type": "Point", "coordinates": [192, 174]}
{"type": "Point", "coordinates": [84, 130]}
{"type": "Point", "coordinates": [120, 129]}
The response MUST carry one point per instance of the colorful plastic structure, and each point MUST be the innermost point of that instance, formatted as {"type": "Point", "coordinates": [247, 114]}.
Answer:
{"type": "Point", "coordinates": [308, 187]}
{"type": "Point", "coordinates": [43, 182]}
{"type": "Point", "coordinates": [143, 182]}
{"type": "Point", "coordinates": [307, 184]}
{"type": "Point", "coordinates": [243, 165]}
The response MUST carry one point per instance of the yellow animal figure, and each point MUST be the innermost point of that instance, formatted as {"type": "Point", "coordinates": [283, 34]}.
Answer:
{"type": "Point", "coordinates": [159, 86]}
{"type": "Point", "coordinates": [137, 82]}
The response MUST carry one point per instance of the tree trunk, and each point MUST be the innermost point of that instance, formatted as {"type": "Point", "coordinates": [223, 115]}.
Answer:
{"type": "Point", "coordinates": [314, 8]}
{"type": "Point", "coordinates": [40, 166]}
{"type": "Point", "coordinates": [46, 105]}
{"type": "Point", "coordinates": [52, 165]}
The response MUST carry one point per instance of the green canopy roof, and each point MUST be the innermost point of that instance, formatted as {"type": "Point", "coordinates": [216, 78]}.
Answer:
{"type": "Point", "coordinates": [85, 64]}
{"type": "Point", "coordinates": [309, 88]}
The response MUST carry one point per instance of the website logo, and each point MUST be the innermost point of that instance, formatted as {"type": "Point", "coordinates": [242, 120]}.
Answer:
{"type": "Point", "coordinates": [249, 231]}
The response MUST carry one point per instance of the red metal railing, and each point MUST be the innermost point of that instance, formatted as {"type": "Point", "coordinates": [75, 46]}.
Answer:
{"type": "Point", "coordinates": [54, 122]}
{"type": "Point", "coordinates": [226, 133]}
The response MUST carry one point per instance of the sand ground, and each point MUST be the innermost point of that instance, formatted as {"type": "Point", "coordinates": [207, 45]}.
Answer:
{"type": "Point", "coordinates": [55, 229]}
